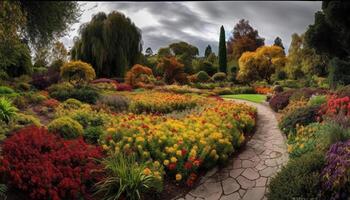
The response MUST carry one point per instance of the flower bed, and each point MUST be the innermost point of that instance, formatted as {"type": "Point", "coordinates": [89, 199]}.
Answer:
{"type": "Point", "coordinates": [263, 90]}
{"type": "Point", "coordinates": [183, 146]}
{"type": "Point", "coordinates": [159, 102]}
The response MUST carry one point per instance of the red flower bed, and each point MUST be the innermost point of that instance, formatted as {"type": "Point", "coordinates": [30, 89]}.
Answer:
{"type": "Point", "coordinates": [336, 106]}
{"type": "Point", "coordinates": [47, 167]}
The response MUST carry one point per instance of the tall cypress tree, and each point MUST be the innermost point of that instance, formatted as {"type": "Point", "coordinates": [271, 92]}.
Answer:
{"type": "Point", "coordinates": [222, 51]}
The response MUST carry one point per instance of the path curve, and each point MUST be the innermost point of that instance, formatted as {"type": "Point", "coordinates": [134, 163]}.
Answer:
{"type": "Point", "coordinates": [247, 174]}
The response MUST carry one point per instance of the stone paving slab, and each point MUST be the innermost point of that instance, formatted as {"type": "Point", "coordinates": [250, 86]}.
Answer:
{"type": "Point", "coordinates": [249, 173]}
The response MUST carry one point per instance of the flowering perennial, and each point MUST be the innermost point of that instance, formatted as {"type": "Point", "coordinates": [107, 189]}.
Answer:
{"type": "Point", "coordinates": [182, 146]}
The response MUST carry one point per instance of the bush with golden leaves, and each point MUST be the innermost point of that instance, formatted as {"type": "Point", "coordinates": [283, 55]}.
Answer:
{"type": "Point", "coordinates": [77, 72]}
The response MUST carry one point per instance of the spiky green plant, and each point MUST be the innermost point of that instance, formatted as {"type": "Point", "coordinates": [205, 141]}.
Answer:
{"type": "Point", "coordinates": [7, 110]}
{"type": "Point", "coordinates": [3, 189]}
{"type": "Point", "coordinates": [125, 178]}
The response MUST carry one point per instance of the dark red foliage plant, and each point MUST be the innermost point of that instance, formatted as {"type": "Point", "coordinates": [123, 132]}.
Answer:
{"type": "Point", "coordinates": [45, 166]}
{"type": "Point", "coordinates": [123, 87]}
{"type": "Point", "coordinates": [280, 100]}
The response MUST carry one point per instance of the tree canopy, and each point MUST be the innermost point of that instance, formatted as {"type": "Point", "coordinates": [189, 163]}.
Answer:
{"type": "Point", "coordinates": [260, 64]}
{"type": "Point", "coordinates": [278, 42]}
{"type": "Point", "coordinates": [111, 43]}
{"type": "Point", "coordinates": [47, 21]}
{"type": "Point", "coordinates": [330, 33]}
{"type": "Point", "coordinates": [207, 51]}
{"type": "Point", "coordinates": [244, 38]}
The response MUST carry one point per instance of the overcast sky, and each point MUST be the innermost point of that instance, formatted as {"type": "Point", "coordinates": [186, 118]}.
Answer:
{"type": "Point", "coordinates": [198, 23]}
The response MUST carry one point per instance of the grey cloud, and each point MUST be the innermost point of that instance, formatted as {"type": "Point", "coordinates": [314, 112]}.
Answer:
{"type": "Point", "coordinates": [272, 19]}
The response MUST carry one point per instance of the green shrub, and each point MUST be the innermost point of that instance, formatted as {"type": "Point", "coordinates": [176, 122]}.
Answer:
{"type": "Point", "coordinates": [219, 77]}
{"type": "Point", "coordinates": [7, 110]}
{"type": "Point", "coordinates": [222, 91]}
{"type": "Point", "coordinates": [306, 139]}
{"type": "Point", "coordinates": [92, 134]}
{"type": "Point", "coordinates": [331, 134]}
{"type": "Point", "coordinates": [34, 98]}
{"type": "Point", "coordinates": [209, 68]}
{"type": "Point", "coordinates": [205, 85]}
{"type": "Point", "coordinates": [317, 100]}
{"type": "Point", "coordinates": [23, 86]}
{"type": "Point", "coordinates": [127, 178]}
{"type": "Point", "coordinates": [6, 90]}
{"type": "Point", "coordinates": [202, 77]}
{"type": "Point", "coordinates": [290, 83]}
{"type": "Point", "coordinates": [301, 116]}
{"type": "Point", "coordinates": [66, 91]}
{"type": "Point", "coordinates": [20, 121]}
{"type": "Point", "coordinates": [72, 104]}
{"type": "Point", "coordinates": [25, 120]}
{"type": "Point", "coordinates": [87, 119]}
{"type": "Point", "coordinates": [117, 103]}
{"type": "Point", "coordinates": [64, 86]}
{"type": "Point", "coordinates": [243, 90]}
{"type": "Point", "coordinates": [20, 101]}
{"type": "Point", "coordinates": [300, 178]}
{"type": "Point", "coordinates": [343, 91]}
{"type": "Point", "coordinates": [66, 127]}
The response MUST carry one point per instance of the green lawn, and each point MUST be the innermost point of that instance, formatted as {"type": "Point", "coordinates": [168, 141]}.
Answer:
{"type": "Point", "coordinates": [257, 98]}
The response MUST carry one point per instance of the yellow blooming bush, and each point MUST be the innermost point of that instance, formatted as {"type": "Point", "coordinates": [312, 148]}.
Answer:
{"type": "Point", "coordinates": [305, 139]}
{"type": "Point", "coordinates": [182, 146]}
{"type": "Point", "coordinates": [159, 102]}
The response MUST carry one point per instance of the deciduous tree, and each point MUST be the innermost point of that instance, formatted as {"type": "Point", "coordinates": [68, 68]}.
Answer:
{"type": "Point", "coordinates": [172, 69]}
{"type": "Point", "coordinates": [260, 64]}
{"type": "Point", "coordinates": [111, 43]}
{"type": "Point", "coordinates": [244, 38]}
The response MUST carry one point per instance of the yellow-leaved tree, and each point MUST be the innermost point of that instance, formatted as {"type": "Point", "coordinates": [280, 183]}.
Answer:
{"type": "Point", "coordinates": [260, 64]}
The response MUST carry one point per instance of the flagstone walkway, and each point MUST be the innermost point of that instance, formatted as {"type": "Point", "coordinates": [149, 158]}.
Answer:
{"type": "Point", "coordinates": [248, 173]}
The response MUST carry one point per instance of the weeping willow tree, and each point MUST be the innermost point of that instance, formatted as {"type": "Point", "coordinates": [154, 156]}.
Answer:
{"type": "Point", "coordinates": [110, 43]}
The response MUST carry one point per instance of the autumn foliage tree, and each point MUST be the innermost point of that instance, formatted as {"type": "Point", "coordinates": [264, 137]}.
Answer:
{"type": "Point", "coordinates": [260, 64]}
{"type": "Point", "coordinates": [138, 75]}
{"type": "Point", "coordinates": [172, 69]}
{"type": "Point", "coordinates": [244, 38]}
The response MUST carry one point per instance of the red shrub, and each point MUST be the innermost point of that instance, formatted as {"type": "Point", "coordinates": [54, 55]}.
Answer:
{"type": "Point", "coordinates": [280, 100]}
{"type": "Point", "coordinates": [47, 167]}
{"type": "Point", "coordinates": [124, 87]}
{"type": "Point", "coordinates": [51, 103]}
{"type": "Point", "coordinates": [335, 106]}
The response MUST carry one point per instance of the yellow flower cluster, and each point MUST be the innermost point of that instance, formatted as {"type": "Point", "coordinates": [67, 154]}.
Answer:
{"type": "Point", "coordinates": [182, 146]}
{"type": "Point", "coordinates": [159, 102]}
{"type": "Point", "coordinates": [304, 140]}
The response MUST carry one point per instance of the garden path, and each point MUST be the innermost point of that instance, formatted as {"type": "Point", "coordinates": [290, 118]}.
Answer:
{"type": "Point", "coordinates": [248, 173]}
